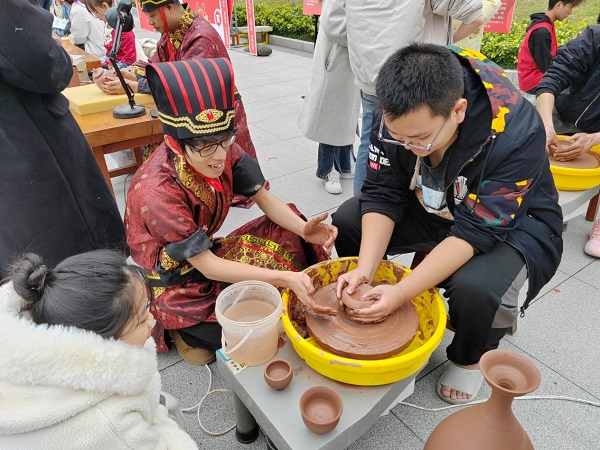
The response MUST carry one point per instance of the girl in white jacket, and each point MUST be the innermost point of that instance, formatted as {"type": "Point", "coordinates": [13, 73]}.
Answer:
{"type": "Point", "coordinates": [78, 368]}
{"type": "Point", "coordinates": [86, 29]}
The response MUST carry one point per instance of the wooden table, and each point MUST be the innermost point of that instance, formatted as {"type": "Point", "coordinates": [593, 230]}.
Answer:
{"type": "Point", "coordinates": [91, 61]}
{"type": "Point", "coordinates": [106, 135]}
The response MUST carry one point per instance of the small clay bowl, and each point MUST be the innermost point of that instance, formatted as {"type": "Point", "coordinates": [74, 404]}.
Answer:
{"type": "Point", "coordinates": [278, 374]}
{"type": "Point", "coordinates": [321, 408]}
{"type": "Point", "coordinates": [353, 300]}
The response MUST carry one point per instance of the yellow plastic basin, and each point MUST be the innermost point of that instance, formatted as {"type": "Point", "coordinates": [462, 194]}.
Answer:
{"type": "Point", "coordinates": [568, 179]}
{"type": "Point", "coordinates": [432, 324]}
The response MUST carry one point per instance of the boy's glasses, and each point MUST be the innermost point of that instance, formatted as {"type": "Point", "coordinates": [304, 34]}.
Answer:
{"type": "Point", "coordinates": [209, 149]}
{"type": "Point", "coordinates": [409, 144]}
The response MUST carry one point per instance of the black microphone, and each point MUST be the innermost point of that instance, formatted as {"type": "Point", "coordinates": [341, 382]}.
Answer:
{"type": "Point", "coordinates": [123, 10]}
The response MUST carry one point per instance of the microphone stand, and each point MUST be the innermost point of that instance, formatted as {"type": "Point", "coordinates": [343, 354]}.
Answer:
{"type": "Point", "coordinates": [124, 111]}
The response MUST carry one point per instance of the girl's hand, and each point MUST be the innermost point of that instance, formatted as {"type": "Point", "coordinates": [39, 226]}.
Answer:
{"type": "Point", "coordinates": [302, 285]}
{"type": "Point", "coordinates": [320, 233]}
{"type": "Point", "coordinates": [389, 298]}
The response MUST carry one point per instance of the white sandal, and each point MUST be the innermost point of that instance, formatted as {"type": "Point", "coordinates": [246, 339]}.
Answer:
{"type": "Point", "coordinates": [467, 381]}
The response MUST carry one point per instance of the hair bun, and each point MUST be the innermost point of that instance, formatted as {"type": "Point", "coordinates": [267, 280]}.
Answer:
{"type": "Point", "coordinates": [29, 277]}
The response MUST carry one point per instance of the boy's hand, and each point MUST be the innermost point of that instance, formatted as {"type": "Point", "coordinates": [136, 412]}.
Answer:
{"type": "Point", "coordinates": [389, 298]}
{"type": "Point", "coordinates": [351, 280]}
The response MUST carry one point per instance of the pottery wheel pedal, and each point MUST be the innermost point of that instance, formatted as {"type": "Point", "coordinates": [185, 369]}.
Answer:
{"type": "Point", "coordinates": [344, 337]}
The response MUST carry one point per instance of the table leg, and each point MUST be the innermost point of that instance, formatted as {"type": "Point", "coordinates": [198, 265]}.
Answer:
{"type": "Point", "coordinates": [246, 428]}
{"type": "Point", "coordinates": [99, 155]}
{"type": "Point", "coordinates": [592, 210]}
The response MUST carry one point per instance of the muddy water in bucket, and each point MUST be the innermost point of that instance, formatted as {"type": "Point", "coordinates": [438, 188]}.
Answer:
{"type": "Point", "coordinates": [249, 314]}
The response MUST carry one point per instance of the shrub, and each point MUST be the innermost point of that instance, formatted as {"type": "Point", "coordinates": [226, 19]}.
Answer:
{"type": "Point", "coordinates": [504, 48]}
{"type": "Point", "coordinates": [286, 20]}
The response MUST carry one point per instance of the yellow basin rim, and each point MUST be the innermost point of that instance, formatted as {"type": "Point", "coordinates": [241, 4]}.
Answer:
{"type": "Point", "coordinates": [432, 325]}
{"type": "Point", "coordinates": [568, 179]}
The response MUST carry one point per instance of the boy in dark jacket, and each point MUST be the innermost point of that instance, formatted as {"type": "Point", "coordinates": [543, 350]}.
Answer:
{"type": "Point", "coordinates": [488, 213]}
{"type": "Point", "coordinates": [568, 100]}
{"type": "Point", "coordinates": [539, 45]}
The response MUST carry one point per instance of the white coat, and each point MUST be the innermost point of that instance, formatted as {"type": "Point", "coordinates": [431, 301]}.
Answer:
{"type": "Point", "coordinates": [87, 29]}
{"type": "Point", "coordinates": [66, 388]}
{"type": "Point", "coordinates": [330, 111]}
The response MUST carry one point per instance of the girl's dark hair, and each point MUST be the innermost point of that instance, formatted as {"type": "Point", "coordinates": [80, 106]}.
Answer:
{"type": "Point", "coordinates": [95, 291]}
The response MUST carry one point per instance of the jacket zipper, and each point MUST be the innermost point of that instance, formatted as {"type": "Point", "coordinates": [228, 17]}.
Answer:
{"type": "Point", "coordinates": [585, 110]}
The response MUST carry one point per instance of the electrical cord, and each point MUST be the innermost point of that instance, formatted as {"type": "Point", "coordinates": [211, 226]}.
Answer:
{"type": "Point", "coordinates": [199, 405]}
{"type": "Point", "coordinates": [527, 397]}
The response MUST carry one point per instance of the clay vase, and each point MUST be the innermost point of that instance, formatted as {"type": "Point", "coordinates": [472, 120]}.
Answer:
{"type": "Point", "coordinates": [491, 425]}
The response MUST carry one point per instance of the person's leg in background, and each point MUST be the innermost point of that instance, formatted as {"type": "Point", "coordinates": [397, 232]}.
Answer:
{"type": "Point", "coordinates": [334, 162]}
{"type": "Point", "coordinates": [368, 107]}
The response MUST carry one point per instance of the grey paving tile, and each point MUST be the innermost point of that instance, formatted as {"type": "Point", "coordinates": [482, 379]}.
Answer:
{"type": "Point", "coordinates": [249, 98]}
{"type": "Point", "coordinates": [590, 274]}
{"type": "Point", "coordinates": [250, 82]}
{"type": "Point", "coordinates": [293, 101]}
{"type": "Point", "coordinates": [168, 359]}
{"type": "Point", "coordinates": [387, 433]}
{"type": "Point", "coordinates": [576, 235]}
{"type": "Point", "coordinates": [313, 199]}
{"type": "Point", "coordinates": [260, 137]}
{"type": "Point", "coordinates": [561, 330]}
{"type": "Point", "coordinates": [189, 384]}
{"type": "Point", "coordinates": [283, 159]}
{"type": "Point", "coordinates": [557, 279]}
{"type": "Point", "coordinates": [280, 89]}
{"type": "Point", "coordinates": [306, 144]}
{"type": "Point", "coordinates": [267, 109]}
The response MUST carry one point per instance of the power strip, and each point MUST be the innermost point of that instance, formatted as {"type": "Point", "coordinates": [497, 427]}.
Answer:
{"type": "Point", "coordinates": [229, 362]}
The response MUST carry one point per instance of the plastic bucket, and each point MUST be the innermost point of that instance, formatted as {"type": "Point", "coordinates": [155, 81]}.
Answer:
{"type": "Point", "coordinates": [249, 314]}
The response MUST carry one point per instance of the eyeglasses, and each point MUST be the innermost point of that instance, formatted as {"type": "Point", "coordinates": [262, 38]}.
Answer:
{"type": "Point", "coordinates": [209, 149]}
{"type": "Point", "coordinates": [409, 144]}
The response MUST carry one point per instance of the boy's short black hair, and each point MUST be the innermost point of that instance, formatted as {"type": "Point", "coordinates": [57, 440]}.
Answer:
{"type": "Point", "coordinates": [420, 75]}
{"type": "Point", "coordinates": [552, 3]}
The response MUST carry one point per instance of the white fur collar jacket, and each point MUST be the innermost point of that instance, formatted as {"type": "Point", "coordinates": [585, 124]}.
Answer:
{"type": "Point", "coordinates": [66, 388]}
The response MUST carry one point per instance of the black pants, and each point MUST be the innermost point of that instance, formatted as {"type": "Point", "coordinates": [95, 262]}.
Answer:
{"type": "Point", "coordinates": [482, 295]}
{"type": "Point", "coordinates": [205, 335]}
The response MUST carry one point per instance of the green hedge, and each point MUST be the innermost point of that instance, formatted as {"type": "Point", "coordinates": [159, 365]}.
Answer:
{"type": "Point", "coordinates": [287, 20]}
{"type": "Point", "coordinates": [503, 48]}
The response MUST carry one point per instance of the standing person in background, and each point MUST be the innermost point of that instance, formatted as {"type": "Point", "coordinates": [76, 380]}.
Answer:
{"type": "Point", "coordinates": [127, 53]}
{"type": "Point", "coordinates": [45, 4]}
{"type": "Point", "coordinates": [87, 31]}
{"type": "Point", "coordinates": [54, 199]}
{"type": "Point", "coordinates": [330, 110]}
{"type": "Point", "coordinates": [184, 35]}
{"type": "Point", "coordinates": [539, 45]}
{"type": "Point", "coordinates": [378, 28]}
{"type": "Point", "coordinates": [61, 24]}
{"type": "Point", "coordinates": [473, 40]}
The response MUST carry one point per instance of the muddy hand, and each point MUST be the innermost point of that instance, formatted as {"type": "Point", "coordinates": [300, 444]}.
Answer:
{"type": "Point", "coordinates": [302, 286]}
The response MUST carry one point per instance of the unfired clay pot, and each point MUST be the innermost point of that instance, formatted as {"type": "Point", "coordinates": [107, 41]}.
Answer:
{"type": "Point", "coordinates": [321, 408]}
{"type": "Point", "coordinates": [278, 374]}
{"type": "Point", "coordinates": [353, 300]}
{"type": "Point", "coordinates": [491, 425]}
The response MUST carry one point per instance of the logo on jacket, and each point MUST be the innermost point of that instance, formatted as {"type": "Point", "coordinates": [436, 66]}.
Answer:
{"type": "Point", "coordinates": [377, 157]}
{"type": "Point", "coordinates": [460, 189]}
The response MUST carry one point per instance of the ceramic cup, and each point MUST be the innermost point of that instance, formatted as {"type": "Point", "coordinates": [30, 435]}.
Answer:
{"type": "Point", "coordinates": [278, 374]}
{"type": "Point", "coordinates": [321, 408]}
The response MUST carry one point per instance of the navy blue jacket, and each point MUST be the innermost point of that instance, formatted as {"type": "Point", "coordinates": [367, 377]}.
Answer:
{"type": "Point", "coordinates": [574, 79]}
{"type": "Point", "coordinates": [499, 185]}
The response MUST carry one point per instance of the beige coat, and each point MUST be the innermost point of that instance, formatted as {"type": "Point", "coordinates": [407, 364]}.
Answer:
{"type": "Point", "coordinates": [330, 111]}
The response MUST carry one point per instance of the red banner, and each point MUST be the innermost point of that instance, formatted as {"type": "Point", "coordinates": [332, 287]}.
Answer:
{"type": "Point", "coordinates": [502, 20]}
{"type": "Point", "coordinates": [311, 7]}
{"type": "Point", "coordinates": [250, 23]}
{"type": "Point", "coordinates": [215, 11]}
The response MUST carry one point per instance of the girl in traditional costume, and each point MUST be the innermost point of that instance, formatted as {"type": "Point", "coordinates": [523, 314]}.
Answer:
{"type": "Point", "coordinates": [181, 196]}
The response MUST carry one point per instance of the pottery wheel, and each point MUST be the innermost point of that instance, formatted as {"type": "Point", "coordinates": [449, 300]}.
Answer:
{"type": "Point", "coordinates": [583, 161]}
{"type": "Point", "coordinates": [344, 337]}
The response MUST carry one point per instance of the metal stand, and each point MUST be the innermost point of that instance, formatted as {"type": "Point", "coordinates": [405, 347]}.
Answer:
{"type": "Point", "coordinates": [246, 428]}
{"type": "Point", "coordinates": [123, 111]}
